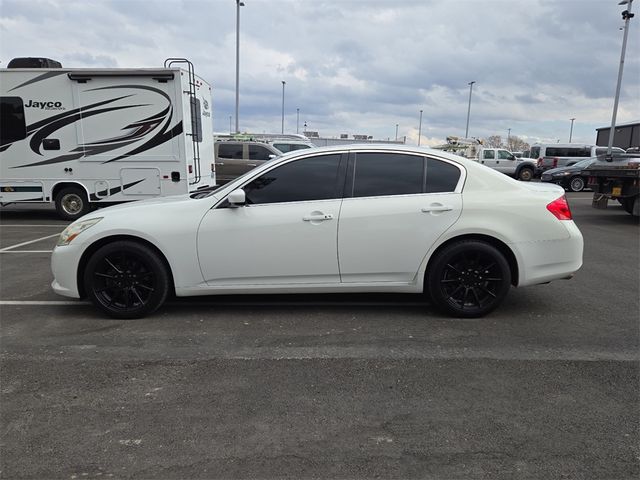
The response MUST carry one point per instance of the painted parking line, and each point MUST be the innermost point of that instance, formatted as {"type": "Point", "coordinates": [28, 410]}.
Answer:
{"type": "Point", "coordinates": [4, 250]}
{"type": "Point", "coordinates": [228, 304]}
{"type": "Point", "coordinates": [42, 302]}
{"type": "Point", "coordinates": [32, 226]}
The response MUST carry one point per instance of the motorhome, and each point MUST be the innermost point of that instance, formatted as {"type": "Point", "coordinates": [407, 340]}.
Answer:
{"type": "Point", "coordinates": [80, 137]}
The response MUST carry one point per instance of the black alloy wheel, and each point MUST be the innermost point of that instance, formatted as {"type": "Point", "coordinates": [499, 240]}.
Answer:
{"type": "Point", "coordinates": [576, 184]}
{"type": "Point", "coordinates": [126, 279]}
{"type": "Point", "coordinates": [468, 279]}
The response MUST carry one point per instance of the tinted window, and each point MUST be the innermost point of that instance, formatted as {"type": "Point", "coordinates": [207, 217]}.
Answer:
{"type": "Point", "coordinates": [535, 152]}
{"type": "Point", "coordinates": [489, 154]}
{"type": "Point", "coordinates": [314, 178]}
{"type": "Point", "coordinates": [568, 152]}
{"type": "Point", "coordinates": [283, 147]}
{"type": "Point", "coordinates": [230, 150]}
{"type": "Point", "coordinates": [258, 152]}
{"type": "Point", "coordinates": [504, 155]}
{"type": "Point", "coordinates": [387, 174]}
{"type": "Point", "coordinates": [441, 176]}
{"type": "Point", "coordinates": [12, 125]}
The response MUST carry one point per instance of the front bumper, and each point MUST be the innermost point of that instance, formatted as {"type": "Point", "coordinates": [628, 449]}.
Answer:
{"type": "Point", "coordinates": [64, 265]}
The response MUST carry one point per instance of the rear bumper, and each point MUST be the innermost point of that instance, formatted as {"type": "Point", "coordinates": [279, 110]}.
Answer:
{"type": "Point", "coordinates": [546, 261]}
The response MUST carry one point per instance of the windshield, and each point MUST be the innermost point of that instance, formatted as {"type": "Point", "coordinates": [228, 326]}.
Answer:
{"type": "Point", "coordinates": [584, 163]}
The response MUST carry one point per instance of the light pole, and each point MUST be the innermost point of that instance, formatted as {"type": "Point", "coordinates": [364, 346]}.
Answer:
{"type": "Point", "coordinates": [297, 120]}
{"type": "Point", "coordinates": [420, 128]}
{"type": "Point", "coordinates": [230, 131]}
{"type": "Point", "coordinates": [283, 84]}
{"type": "Point", "coordinates": [509, 138]}
{"type": "Point", "coordinates": [626, 16]}
{"type": "Point", "coordinates": [466, 133]}
{"type": "Point", "coordinates": [396, 132]}
{"type": "Point", "coordinates": [238, 5]}
{"type": "Point", "coordinates": [571, 131]}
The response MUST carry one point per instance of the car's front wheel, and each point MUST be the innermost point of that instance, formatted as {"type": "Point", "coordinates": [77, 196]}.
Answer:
{"type": "Point", "coordinates": [126, 279]}
{"type": "Point", "coordinates": [468, 278]}
{"type": "Point", "coordinates": [576, 184]}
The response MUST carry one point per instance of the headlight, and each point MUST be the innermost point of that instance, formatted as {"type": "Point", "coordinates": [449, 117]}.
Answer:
{"type": "Point", "coordinates": [561, 174]}
{"type": "Point", "coordinates": [75, 229]}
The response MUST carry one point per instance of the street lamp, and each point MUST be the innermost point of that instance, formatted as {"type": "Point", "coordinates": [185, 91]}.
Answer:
{"type": "Point", "coordinates": [466, 133]}
{"type": "Point", "coordinates": [420, 128]}
{"type": "Point", "coordinates": [509, 138]}
{"type": "Point", "coordinates": [297, 120]}
{"type": "Point", "coordinates": [626, 16]}
{"type": "Point", "coordinates": [283, 84]}
{"type": "Point", "coordinates": [238, 5]}
{"type": "Point", "coordinates": [396, 132]}
{"type": "Point", "coordinates": [571, 131]}
{"type": "Point", "coordinates": [230, 131]}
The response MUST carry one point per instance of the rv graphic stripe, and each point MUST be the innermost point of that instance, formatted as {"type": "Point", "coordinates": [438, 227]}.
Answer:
{"type": "Point", "coordinates": [44, 76]}
{"type": "Point", "coordinates": [112, 191]}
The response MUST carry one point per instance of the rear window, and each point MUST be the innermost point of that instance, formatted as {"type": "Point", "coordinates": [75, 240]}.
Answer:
{"type": "Point", "coordinates": [570, 152]}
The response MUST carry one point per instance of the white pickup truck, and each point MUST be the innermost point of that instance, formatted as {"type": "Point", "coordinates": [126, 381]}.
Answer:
{"type": "Point", "coordinates": [506, 162]}
{"type": "Point", "coordinates": [497, 158]}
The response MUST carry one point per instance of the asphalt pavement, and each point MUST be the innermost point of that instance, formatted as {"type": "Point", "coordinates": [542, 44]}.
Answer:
{"type": "Point", "coordinates": [317, 386]}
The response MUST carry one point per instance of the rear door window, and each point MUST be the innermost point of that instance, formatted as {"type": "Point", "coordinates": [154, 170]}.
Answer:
{"type": "Point", "coordinates": [230, 150]}
{"type": "Point", "coordinates": [441, 176]}
{"type": "Point", "coordinates": [377, 174]}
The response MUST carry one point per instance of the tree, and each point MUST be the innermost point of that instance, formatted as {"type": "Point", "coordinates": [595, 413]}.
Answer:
{"type": "Point", "coordinates": [493, 141]}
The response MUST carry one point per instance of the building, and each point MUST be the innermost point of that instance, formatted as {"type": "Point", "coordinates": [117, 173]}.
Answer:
{"type": "Point", "coordinates": [626, 135]}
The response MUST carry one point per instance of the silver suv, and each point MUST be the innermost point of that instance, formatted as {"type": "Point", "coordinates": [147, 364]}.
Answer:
{"type": "Point", "coordinates": [235, 158]}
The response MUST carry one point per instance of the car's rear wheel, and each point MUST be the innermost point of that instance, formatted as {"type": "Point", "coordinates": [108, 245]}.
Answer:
{"type": "Point", "coordinates": [71, 203]}
{"type": "Point", "coordinates": [525, 174]}
{"type": "Point", "coordinates": [126, 279]}
{"type": "Point", "coordinates": [576, 184]}
{"type": "Point", "coordinates": [468, 279]}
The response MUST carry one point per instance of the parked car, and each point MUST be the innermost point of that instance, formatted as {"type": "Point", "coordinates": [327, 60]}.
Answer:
{"type": "Point", "coordinates": [351, 218]}
{"type": "Point", "coordinates": [287, 145]}
{"type": "Point", "coordinates": [554, 155]}
{"type": "Point", "coordinates": [569, 177]}
{"type": "Point", "coordinates": [235, 158]}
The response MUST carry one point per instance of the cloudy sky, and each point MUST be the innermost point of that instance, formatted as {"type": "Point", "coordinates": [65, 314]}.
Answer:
{"type": "Point", "coordinates": [363, 66]}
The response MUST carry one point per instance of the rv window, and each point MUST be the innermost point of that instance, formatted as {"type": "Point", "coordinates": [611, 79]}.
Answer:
{"type": "Point", "coordinates": [196, 123]}
{"type": "Point", "coordinates": [12, 124]}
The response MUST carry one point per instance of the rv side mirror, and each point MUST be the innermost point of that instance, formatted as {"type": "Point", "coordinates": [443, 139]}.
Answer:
{"type": "Point", "coordinates": [237, 198]}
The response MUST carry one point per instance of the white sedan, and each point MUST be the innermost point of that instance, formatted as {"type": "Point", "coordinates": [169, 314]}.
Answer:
{"type": "Point", "coordinates": [354, 218]}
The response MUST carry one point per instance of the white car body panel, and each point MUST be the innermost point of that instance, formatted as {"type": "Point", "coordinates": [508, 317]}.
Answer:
{"type": "Point", "coordinates": [304, 256]}
{"type": "Point", "coordinates": [292, 250]}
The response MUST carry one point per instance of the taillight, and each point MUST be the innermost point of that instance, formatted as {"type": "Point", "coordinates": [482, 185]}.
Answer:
{"type": "Point", "coordinates": [560, 208]}
{"type": "Point", "coordinates": [540, 162]}
{"type": "Point", "coordinates": [555, 162]}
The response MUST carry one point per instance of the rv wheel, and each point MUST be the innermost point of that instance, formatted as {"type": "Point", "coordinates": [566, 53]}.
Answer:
{"type": "Point", "coordinates": [72, 203]}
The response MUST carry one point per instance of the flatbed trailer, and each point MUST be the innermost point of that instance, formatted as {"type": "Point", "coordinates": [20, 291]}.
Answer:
{"type": "Point", "coordinates": [621, 182]}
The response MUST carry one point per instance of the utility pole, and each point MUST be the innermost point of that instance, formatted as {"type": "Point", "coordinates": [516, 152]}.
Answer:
{"type": "Point", "coordinates": [626, 16]}
{"type": "Point", "coordinates": [238, 5]}
{"type": "Point", "coordinates": [571, 131]}
{"type": "Point", "coordinates": [466, 133]}
{"type": "Point", "coordinates": [283, 84]}
{"type": "Point", "coordinates": [420, 128]}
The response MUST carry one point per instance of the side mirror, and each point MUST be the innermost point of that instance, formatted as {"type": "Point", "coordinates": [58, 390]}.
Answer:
{"type": "Point", "coordinates": [272, 156]}
{"type": "Point", "coordinates": [512, 157]}
{"type": "Point", "coordinates": [237, 198]}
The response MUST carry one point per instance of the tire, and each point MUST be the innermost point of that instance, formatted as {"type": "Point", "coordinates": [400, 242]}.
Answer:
{"type": "Point", "coordinates": [468, 279]}
{"type": "Point", "coordinates": [628, 203]}
{"type": "Point", "coordinates": [525, 174]}
{"type": "Point", "coordinates": [72, 203]}
{"type": "Point", "coordinates": [576, 184]}
{"type": "Point", "coordinates": [126, 280]}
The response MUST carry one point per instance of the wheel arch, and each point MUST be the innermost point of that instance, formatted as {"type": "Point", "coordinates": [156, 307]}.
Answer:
{"type": "Point", "coordinates": [66, 184]}
{"type": "Point", "coordinates": [115, 238]}
{"type": "Point", "coordinates": [498, 244]}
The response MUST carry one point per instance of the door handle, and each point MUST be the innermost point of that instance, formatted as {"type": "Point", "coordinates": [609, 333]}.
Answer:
{"type": "Point", "coordinates": [219, 163]}
{"type": "Point", "coordinates": [252, 164]}
{"type": "Point", "coordinates": [318, 218]}
{"type": "Point", "coordinates": [436, 208]}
